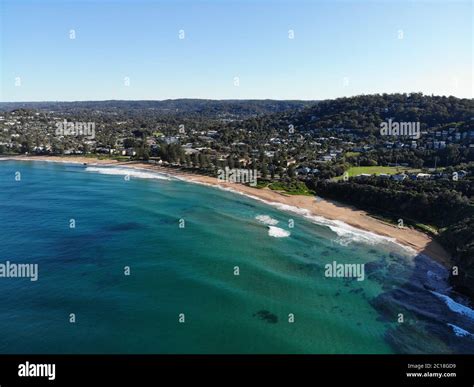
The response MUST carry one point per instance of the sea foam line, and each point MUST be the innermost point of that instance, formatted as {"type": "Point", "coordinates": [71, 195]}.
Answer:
{"type": "Point", "coordinates": [460, 332]}
{"type": "Point", "coordinates": [132, 172]}
{"type": "Point", "coordinates": [347, 232]}
{"type": "Point", "coordinates": [455, 306]}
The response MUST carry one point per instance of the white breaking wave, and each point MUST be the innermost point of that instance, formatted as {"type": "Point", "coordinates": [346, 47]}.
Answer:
{"type": "Point", "coordinates": [455, 306]}
{"type": "Point", "coordinates": [344, 231]}
{"type": "Point", "coordinates": [348, 234]}
{"type": "Point", "coordinates": [458, 331]}
{"type": "Point", "coordinates": [268, 220]}
{"type": "Point", "coordinates": [277, 232]}
{"type": "Point", "coordinates": [127, 172]}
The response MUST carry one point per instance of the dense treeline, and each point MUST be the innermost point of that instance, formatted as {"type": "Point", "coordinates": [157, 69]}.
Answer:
{"type": "Point", "coordinates": [453, 154]}
{"type": "Point", "coordinates": [365, 112]}
{"type": "Point", "coordinates": [440, 207]}
{"type": "Point", "coordinates": [459, 239]}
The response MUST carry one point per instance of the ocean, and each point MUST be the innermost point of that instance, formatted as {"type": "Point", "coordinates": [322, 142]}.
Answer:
{"type": "Point", "coordinates": [138, 262]}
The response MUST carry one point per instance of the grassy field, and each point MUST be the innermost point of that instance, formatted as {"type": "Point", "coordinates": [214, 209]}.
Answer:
{"type": "Point", "coordinates": [294, 187]}
{"type": "Point", "coordinates": [377, 170]}
{"type": "Point", "coordinates": [105, 157]}
{"type": "Point", "coordinates": [352, 154]}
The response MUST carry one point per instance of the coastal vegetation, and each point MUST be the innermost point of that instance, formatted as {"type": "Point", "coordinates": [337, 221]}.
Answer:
{"type": "Point", "coordinates": [290, 186]}
{"type": "Point", "coordinates": [378, 170]}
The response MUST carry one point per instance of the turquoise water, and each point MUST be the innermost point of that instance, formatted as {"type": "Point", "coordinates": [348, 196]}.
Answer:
{"type": "Point", "coordinates": [190, 270]}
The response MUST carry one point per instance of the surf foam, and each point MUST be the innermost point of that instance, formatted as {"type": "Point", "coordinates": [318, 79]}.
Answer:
{"type": "Point", "coordinates": [346, 233]}
{"type": "Point", "coordinates": [455, 306]}
{"type": "Point", "coordinates": [277, 232]}
{"type": "Point", "coordinates": [268, 220]}
{"type": "Point", "coordinates": [127, 172]}
{"type": "Point", "coordinates": [458, 331]}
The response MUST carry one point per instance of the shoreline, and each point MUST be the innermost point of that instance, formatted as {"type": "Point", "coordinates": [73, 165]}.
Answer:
{"type": "Point", "coordinates": [328, 209]}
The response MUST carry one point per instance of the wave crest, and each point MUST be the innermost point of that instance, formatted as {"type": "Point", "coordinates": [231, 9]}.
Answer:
{"type": "Point", "coordinates": [455, 306]}
{"type": "Point", "coordinates": [268, 220]}
{"type": "Point", "coordinates": [458, 331]}
{"type": "Point", "coordinates": [127, 172]}
{"type": "Point", "coordinates": [278, 232]}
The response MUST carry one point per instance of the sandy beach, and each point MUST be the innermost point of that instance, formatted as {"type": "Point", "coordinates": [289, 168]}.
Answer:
{"type": "Point", "coordinates": [418, 241]}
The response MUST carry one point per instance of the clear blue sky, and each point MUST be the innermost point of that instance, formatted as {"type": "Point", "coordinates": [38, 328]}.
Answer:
{"type": "Point", "coordinates": [339, 49]}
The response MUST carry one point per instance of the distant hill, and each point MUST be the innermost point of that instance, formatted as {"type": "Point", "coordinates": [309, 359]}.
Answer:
{"type": "Point", "coordinates": [202, 107]}
{"type": "Point", "coordinates": [365, 112]}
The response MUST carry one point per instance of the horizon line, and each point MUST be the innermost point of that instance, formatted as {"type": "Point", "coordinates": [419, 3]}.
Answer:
{"type": "Point", "coordinates": [234, 99]}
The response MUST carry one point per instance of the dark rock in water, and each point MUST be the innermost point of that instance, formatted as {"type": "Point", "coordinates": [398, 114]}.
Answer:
{"type": "Point", "coordinates": [168, 220]}
{"type": "Point", "coordinates": [325, 253]}
{"type": "Point", "coordinates": [348, 281]}
{"type": "Point", "coordinates": [125, 226]}
{"type": "Point", "coordinates": [267, 316]}
{"type": "Point", "coordinates": [412, 339]}
{"type": "Point", "coordinates": [429, 324]}
{"type": "Point", "coordinates": [396, 257]}
{"type": "Point", "coordinates": [376, 271]}
{"type": "Point", "coordinates": [370, 267]}
{"type": "Point", "coordinates": [387, 312]}
{"type": "Point", "coordinates": [308, 267]}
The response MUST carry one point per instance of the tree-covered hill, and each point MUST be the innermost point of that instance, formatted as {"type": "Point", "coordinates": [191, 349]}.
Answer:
{"type": "Point", "coordinates": [238, 109]}
{"type": "Point", "coordinates": [365, 112]}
